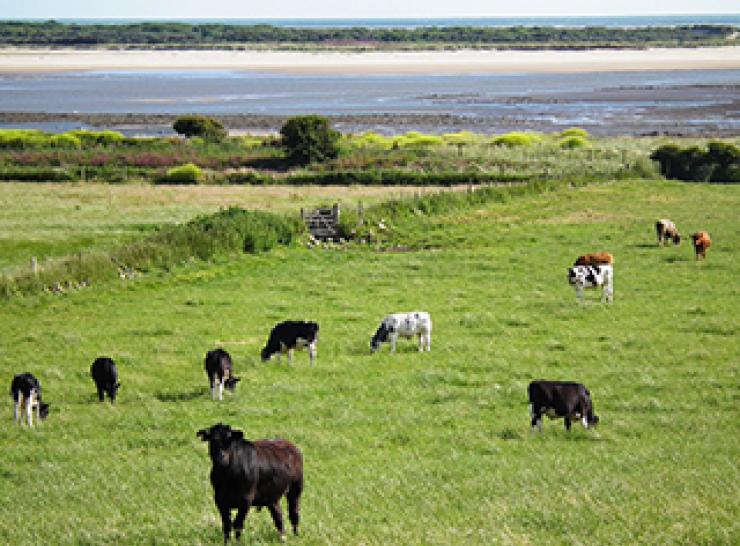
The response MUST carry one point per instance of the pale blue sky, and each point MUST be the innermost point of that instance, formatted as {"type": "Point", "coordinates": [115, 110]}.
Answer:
{"type": "Point", "coordinates": [350, 8]}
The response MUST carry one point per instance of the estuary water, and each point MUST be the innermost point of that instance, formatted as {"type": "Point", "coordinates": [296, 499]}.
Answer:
{"type": "Point", "coordinates": [609, 102]}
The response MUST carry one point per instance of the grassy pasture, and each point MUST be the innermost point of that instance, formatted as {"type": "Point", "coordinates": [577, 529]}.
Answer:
{"type": "Point", "coordinates": [411, 448]}
{"type": "Point", "coordinates": [47, 220]}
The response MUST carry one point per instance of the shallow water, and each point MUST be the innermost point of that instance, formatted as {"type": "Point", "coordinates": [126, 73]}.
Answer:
{"type": "Point", "coordinates": [586, 99]}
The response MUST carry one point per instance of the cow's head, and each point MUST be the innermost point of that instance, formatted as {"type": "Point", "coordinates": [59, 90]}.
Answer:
{"type": "Point", "coordinates": [381, 335]}
{"type": "Point", "coordinates": [219, 438]}
{"type": "Point", "coordinates": [266, 354]}
{"type": "Point", "coordinates": [231, 382]}
{"type": "Point", "coordinates": [676, 238]}
{"type": "Point", "coordinates": [43, 410]}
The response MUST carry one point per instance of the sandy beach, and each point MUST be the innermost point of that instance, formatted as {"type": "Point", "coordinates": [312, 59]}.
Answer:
{"type": "Point", "coordinates": [14, 60]}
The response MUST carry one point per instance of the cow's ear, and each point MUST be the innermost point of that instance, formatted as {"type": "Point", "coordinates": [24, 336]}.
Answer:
{"type": "Point", "coordinates": [204, 434]}
{"type": "Point", "coordinates": [235, 379]}
{"type": "Point", "coordinates": [237, 435]}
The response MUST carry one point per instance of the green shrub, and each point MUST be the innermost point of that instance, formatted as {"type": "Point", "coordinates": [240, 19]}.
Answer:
{"type": "Point", "coordinates": [575, 131]}
{"type": "Point", "coordinates": [182, 174]}
{"type": "Point", "coordinates": [573, 142]}
{"type": "Point", "coordinates": [416, 140]}
{"type": "Point", "coordinates": [91, 139]}
{"type": "Point", "coordinates": [23, 139]}
{"type": "Point", "coordinates": [720, 162]}
{"type": "Point", "coordinates": [463, 137]}
{"type": "Point", "coordinates": [36, 174]}
{"type": "Point", "coordinates": [308, 139]}
{"type": "Point", "coordinates": [369, 140]}
{"type": "Point", "coordinates": [200, 126]}
{"type": "Point", "coordinates": [514, 139]}
{"type": "Point", "coordinates": [66, 142]}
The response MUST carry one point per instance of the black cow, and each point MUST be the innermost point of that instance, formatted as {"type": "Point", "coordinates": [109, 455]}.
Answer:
{"type": "Point", "coordinates": [26, 392]}
{"type": "Point", "coordinates": [289, 335]}
{"type": "Point", "coordinates": [561, 399]}
{"type": "Point", "coordinates": [220, 372]}
{"type": "Point", "coordinates": [259, 473]}
{"type": "Point", "coordinates": [105, 375]}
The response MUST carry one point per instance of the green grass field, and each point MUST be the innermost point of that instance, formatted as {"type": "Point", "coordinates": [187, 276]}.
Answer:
{"type": "Point", "coordinates": [410, 448]}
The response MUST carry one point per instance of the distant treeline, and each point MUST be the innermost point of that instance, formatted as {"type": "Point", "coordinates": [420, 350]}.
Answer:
{"type": "Point", "coordinates": [173, 35]}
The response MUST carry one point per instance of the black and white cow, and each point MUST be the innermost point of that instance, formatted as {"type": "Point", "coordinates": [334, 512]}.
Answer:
{"type": "Point", "coordinates": [289, 335]}
{"type": "Point", "coordinates": [416, 323]}
{"type": "Point", "coordinates": [105, 375]}
{"type": "Point", "coordinates": [26, 392]}
{"type": "Point", "coordinates": [592, 276]}
{"type": "Point", "coordinates": [220, 372]}
{"type": "Point", "coordinates": [564, 399]}
{"type": "Point", "coordinates": [257, 473]}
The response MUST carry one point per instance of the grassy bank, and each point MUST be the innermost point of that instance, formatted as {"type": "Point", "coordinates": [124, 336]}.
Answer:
{"type": "Point", "coordinates": [412, 448]}
{"type": "Point", "coordinates": [47, 221]}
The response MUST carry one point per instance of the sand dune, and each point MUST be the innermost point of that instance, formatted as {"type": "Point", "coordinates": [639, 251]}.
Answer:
{"type": "Point", "coordinates": [421, 62]}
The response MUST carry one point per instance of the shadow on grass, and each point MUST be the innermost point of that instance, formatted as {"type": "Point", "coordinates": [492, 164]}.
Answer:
{"type": "Point", "coordinates": [179, 396]}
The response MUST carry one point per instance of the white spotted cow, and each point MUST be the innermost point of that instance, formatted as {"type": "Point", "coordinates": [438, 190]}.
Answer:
{"type": "Point", "coordinates": [417, 323]}
{"type": "Point", "coordinates": [592, 276]}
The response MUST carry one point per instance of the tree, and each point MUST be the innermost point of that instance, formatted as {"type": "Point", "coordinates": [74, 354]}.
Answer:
{"type": "Point", "coordinates": [310, 138]}
{"type": "Point", "coordinates": [201, 126]}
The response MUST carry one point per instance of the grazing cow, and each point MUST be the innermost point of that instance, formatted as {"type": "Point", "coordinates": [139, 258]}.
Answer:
{"type": "Point", "coordinates": [417, 323]}
{"type": "Point", "coordinates": [667, 230]}
{"type": "Point", "coordinates": [701, 243]}
{"type": "Point", "coordinates": [105, 375]}
{"type": "Point", "coordinates": [595, 258]}
{"type": "Point", "coordinates": [26, 392]}
{"type": "Point", "coordinates": [220, 371]}
{"type": "Point", "coordinates": [592, 276]}
{"type": "Point", "coordinates": [259, 473]}
{"type": "Point", "coordinates": [289, 335]}
{"type": "Point", "coordinates": [561, 399]}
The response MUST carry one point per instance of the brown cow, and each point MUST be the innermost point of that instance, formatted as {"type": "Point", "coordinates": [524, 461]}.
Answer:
{"type": "Point", "coordinates": [701, 243]}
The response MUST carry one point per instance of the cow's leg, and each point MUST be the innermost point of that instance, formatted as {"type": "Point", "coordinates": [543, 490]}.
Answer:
{"type": "Point", "coordinates": [101, 394]}
{"type": "Point", "coordinates": [277, 517]}
{"type": "Point", "coordinates": [579, 293]}
{"type": "Point", "coordinates": [221, 389]}
{"type": "Point", "coordinates": [536, 418]}
{"type": "Point", "coordinates": [567, 422]}
{"type": "Point", "coordinates": [290, 356]}
{"type": "Point", "coordinates": [584, 422]}
{"type": "Point", "coordinates": [241, 515]}
{"type": "Point", "coordinates": [294, 504]}
{"type": "Point", "coordinates": [429, 341]}
{"type": "Point", "coordinates": [16, 403]}
{"type": "Point", "coordinates": [225, 521]}
{"type": "Point", "coordinates": [393, 340]}
{"type": "Point", "coordinates": [312, 352]}
{"type": "Point", "coordinates": [213, 387]}
{"type": "Point", "coordinates": [421, 342]}
{"type": "Point", "coordinates": [29, 409]}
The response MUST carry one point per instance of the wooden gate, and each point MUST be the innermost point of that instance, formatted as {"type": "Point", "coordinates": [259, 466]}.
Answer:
{"type": "Point", "coordinates": [322, 223]}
